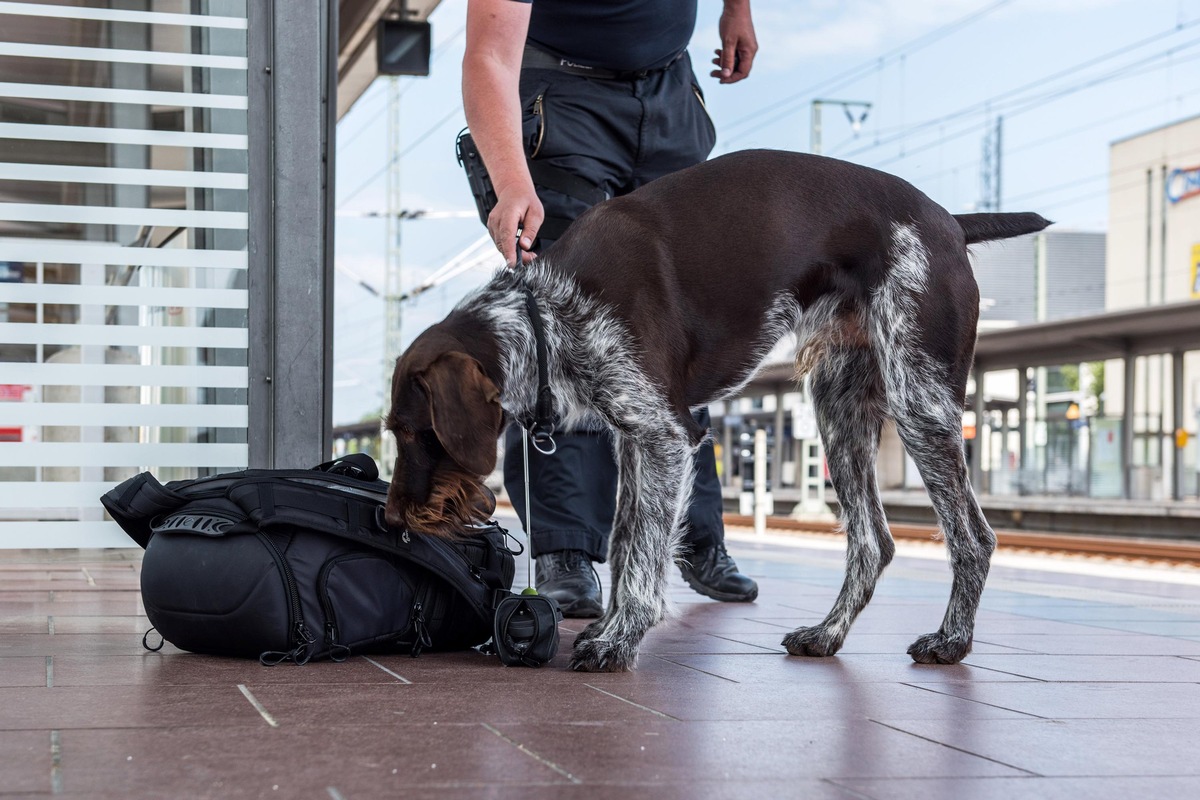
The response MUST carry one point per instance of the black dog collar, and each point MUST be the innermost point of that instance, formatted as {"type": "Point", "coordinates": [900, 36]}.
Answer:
{"type": "Point", "coordinates": [542, 430]}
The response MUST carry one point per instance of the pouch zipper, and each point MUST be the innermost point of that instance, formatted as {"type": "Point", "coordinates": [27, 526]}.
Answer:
{"type": "Point", "coordinates": [539, 111]}
{"type": "Point", "coordinates": [337, 652]}
{"type": "Point", "coordinates": [301, 635]}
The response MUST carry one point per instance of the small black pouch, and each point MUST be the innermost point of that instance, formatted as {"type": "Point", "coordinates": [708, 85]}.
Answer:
{"type": "Point", "coordinates": [526, 630]}
{"type": "Point", "coordinates": [477, 176]}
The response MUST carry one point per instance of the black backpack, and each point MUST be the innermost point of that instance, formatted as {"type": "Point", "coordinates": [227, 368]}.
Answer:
{"type": "Point", "coordinates": [299, 564]}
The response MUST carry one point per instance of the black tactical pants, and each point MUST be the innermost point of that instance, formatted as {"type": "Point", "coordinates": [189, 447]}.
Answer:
{"type": "Point", "coordinates": [617, 134]}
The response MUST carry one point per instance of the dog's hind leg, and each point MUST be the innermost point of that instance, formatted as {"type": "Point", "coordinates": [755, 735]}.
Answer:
{"type": "Point", "coordinates": [655, 466]}
{"type": "Point", "coordinates": [923, 332]}
{"type": "Point", "coordinates": [848, 393]}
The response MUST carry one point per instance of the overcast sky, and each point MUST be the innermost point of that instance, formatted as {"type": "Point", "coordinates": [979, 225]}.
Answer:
{"type": "Point", "coordinates": [1068, 76]}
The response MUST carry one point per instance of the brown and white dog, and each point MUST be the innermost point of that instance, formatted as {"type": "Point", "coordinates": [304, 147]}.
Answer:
{"type": "Point", "coordinates": [667, 299]}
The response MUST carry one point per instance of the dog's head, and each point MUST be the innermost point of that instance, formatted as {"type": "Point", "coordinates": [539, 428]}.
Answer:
{"type": "Point", "coordinates": [446, 417]}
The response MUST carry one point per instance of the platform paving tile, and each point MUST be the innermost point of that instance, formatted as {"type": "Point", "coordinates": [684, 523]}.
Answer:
{"type": "Point", "coordinates": [890, 668]}
{"type": "Point", "coordinates": [1183, 627]}
{"type": "Point", "coordinates": [28, 671]}
{"type": "Point", "coordinates": [745, 789]}
{"type": "Point", "coordinates": [1098, 643]}
{"type": "Point", "coordinates": [79, 644]}
{"type": "Point", "coordinates": [142, 706]}
{"type": "Point", "coordinates": [187, 669]}
{"type": "Point", "coordinates": [25, 762]}
{"type": "Point", "coordinates": [359, 762]}
{"type": "Point", "coordinates": [803, 703]}
{"type": "Point", "coordinates": [860, 643]}
{"type": "Point", "coordinates": [1106, 788]}
{"type": "Point", "coordinates": [1083, 700]}
{"type": "Point", "coordinates": [1106, 668]}
{"type": "Point", "coordinates": [666, 751]}
{"type": "Point", "coordinates": [1073, 747]}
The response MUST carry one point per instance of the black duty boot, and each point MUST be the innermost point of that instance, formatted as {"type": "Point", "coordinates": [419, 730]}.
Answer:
{"type": "Point", "coordinates": [712, 573]}
{"type": "Point", "coordinates": [568, 577]}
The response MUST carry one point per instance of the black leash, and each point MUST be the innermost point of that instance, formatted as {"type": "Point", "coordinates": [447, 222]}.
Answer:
{"type": "Point", "coordinates": [542, 430]}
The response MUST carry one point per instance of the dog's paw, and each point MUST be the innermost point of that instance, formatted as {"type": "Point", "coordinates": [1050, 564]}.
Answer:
{"type": "Point", "coordinates": [814, 641]}
{"type": "Point", "coordinates": [938, 648]}
{"type": "Point", "coordinates": [602, 655]}
{"type": "Point", "coordinates": [594, 629]}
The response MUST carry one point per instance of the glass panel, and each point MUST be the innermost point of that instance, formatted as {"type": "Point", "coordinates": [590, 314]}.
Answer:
{"type": "Point", "coordinates": [123, 235]}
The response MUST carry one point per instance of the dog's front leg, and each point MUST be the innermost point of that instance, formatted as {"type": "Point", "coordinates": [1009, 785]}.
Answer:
{"type": "Point", "coordinates": [652, 492]}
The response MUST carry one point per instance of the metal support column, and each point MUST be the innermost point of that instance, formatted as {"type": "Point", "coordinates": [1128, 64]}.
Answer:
{"type": "Point", "coordinates": [1127, 426]}
{"type": "Point", "coordinates": [1177, 424]}
{"type": "Point", "coordinates": [292, 91]}
{"type": "Point", "coordinates": [975, 466]}
{"type": "Point", "coordinates": [1022, 417]}
{"type": "Point", "coordinates": [777, 455]}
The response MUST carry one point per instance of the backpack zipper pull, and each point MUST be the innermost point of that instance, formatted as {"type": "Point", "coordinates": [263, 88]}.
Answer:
{"type": "Point", "coordinates": [304, 638]}
{"type": "Point", "coordinates": [337, 652]}
{"type": "Point", "coordinates": [422, 641]}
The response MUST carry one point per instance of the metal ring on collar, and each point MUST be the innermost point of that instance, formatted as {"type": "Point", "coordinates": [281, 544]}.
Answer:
{"type": "Point", "coordinates": [539, 438]}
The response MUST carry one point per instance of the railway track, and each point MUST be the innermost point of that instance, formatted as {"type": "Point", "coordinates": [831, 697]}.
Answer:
{"type": "Point", "coordinates": [1103, 546]}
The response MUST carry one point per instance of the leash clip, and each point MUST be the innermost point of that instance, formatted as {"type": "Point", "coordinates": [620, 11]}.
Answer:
{"type": "Point", "coordinates": [540, 437]}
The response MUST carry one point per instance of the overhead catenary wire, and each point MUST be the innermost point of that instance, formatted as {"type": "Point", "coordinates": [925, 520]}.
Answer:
{"type": "Point", "coordinates": [1056, 137]}
{"type": "Point", "coordinates": [847, 77]}
{"type": "Point", "coordinates": [457, 110]}
{"type": "Point", "coordinates": [1029, 106]}
{"type": "Point", "coordinates": [1005, 102]}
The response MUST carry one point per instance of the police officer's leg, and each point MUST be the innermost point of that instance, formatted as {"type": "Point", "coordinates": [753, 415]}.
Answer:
{"type": "Point", "coordinates": [680, 135]}
{"type": "Point", "coordinates": [575, 128]}
{"type": "Point", "coordinates": [708, 567]}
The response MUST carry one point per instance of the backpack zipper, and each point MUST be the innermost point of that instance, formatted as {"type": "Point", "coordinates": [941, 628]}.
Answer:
{"type": "Point", "coordinates": [337, 652]}
{"type": "Point", "coordinates": [301, 635]}
{"type": "Point", "coordinates": [422, 639]}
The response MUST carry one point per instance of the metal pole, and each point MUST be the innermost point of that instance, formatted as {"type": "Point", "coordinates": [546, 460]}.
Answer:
{"type": "Point", "coordinates": [292, 86]}
{"type": "Point", "coordinates": [1127, 426]}
{"type": "Point", "coordinates": [393, 285]}
{"type": "Point", "coordinates": [976, 465]}
{"type": "Point", "coordinates": [1022, 418]}
{"type": "Point", "coordinates": [777, 465]}
{"type": "Point", "coordinates": [1177, 491]}
{"type": "Point", "coordinates": [814, 135]}
{"type": "Point", "coordinates": [999, 161]}
{"type": "Point", "coordinates": [760, 481]}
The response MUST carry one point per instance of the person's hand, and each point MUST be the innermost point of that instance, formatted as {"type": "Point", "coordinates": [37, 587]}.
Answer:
{"type": "Point", "coordinates": [516, 208]}
{"type": "Point", "coordinates": [738, 44]}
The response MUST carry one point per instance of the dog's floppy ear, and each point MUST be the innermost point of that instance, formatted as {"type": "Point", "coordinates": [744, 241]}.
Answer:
{"type": "Point", "coordinates": [465, 406]}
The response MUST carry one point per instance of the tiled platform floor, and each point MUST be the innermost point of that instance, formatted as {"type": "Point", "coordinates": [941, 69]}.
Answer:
{"type": "Point", "coordinates": [1080, 686]}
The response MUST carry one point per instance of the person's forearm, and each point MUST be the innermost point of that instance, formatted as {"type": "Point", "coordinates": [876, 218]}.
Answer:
{"type": "Point", "coordinates": [492, 104]}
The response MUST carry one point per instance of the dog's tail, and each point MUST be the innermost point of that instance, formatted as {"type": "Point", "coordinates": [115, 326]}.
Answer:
{"type": "Point", "coordinates": [989, 227]}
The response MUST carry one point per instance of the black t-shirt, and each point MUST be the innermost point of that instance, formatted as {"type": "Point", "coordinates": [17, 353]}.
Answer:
{"type": "Point", "coordinates": [613, 34]}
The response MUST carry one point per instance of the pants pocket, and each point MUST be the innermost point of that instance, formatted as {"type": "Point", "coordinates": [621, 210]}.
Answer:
{"type": "Point", "coordinates": [712, 128]}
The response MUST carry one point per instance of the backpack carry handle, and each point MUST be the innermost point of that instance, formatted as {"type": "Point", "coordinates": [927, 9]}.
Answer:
{"type": "Point", "coordinates": [354, 465]}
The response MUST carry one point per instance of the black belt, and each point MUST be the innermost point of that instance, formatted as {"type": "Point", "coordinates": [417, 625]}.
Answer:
{"type": "Point", "coordinates": [535, 58]}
